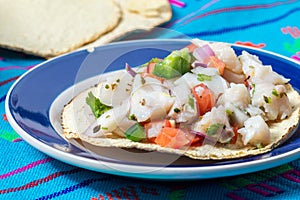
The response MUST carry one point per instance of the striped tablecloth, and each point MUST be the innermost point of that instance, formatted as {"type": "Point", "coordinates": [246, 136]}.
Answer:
{"type": "Point", "coordinates": [26, 173]}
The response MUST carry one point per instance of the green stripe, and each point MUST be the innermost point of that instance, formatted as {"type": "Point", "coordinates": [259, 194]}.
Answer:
{"type": "Point", "coordinates": [9, 136]}
{"type": "Point", "coordinates": [247, 179]}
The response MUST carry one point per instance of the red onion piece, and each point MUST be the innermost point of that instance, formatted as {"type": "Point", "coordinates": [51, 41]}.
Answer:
{"type": "Point", "coordinates": [130, 70]}
{"type": "Point", "coordinates": [226, 136]}
{"type": "Point", "coordinates": [207, 139]}
{"type": "Point", "coordinates": [203, 52]}
{"type": "Point", "coordinates": [198, 133]}
{"type": "Point", "coordinates": [197, 63]}
{"type": "Point", "coordinates": [208, 50]}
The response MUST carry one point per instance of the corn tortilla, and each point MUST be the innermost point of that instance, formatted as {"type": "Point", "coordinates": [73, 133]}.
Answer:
{"type": "Point", "coordinates": [77, 117]}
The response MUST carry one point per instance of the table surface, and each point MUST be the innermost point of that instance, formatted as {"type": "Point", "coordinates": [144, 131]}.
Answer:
{"type": "Point", "coordinates": [26, 173]}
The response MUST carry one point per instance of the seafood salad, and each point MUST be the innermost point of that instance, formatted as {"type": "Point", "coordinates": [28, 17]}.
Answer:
{"type": "Point", "coordinates": [201, 95]}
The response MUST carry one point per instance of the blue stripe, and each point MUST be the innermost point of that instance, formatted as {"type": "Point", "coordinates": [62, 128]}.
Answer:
{"type": "Point", "coordinates": [2, 98]}
{"type": "Point", "coordinates": [73, 188]}
{"type": "Point", "coordinates": [247, 26]}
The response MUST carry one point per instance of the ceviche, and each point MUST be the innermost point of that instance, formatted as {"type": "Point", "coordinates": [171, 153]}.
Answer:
{"type": "Point", "coordinates": [198, 96]}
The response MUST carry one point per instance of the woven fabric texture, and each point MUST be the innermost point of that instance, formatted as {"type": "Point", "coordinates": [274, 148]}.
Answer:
{"type": "Point", "coordinates": [26, 173]}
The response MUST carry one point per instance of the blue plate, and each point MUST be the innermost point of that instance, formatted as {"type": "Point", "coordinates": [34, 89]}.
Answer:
{"type": "Point", "coordinates": [34, 103]}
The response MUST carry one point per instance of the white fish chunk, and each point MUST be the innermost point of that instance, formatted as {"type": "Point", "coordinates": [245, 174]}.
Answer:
{"type": "Point", "coordinates": [255, 132]}
{"type": "Point", "coordinates": [150, 101]}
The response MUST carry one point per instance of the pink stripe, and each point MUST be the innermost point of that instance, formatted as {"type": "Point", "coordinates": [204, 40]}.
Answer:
{"type": "Point", "coordinates": [192, 14]}
{"type": "Point", "coordinates": [294, 32]}
{"type": "Point", "coordinates": [1, 58]}
{"type": "Point", "coordinates": [254, 188]}
{"type": "Point", "coordinates": [209, 4]}
{"type": "Point", "coordinates": [180, 4]}
{"type": "Point", "coordinates": [16, 67]}
{"type": "Point", "coordinates": [297, 56]}
{"type": "Point", "coordinates": [238, 8]}
{"type": "Point", "coordinates": [271, 188]}
{"type": "Point", "coordinates": [17, 140]}
{"type": "Point", "coordinates": [234, 196]}
{"type": "Point", "coordinates": [25, 168]}
{"type": "Point", "coordinates": [292, 175]}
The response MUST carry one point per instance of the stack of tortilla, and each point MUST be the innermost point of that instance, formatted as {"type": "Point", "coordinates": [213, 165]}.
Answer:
{"type": "Point", "coordinates": [50, 28]}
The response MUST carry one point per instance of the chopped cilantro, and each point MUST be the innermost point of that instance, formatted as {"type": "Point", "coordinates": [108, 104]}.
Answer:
{"type": "Point", "coordinates": [229, 113]}
{"type": "Point", "coordinates": [96, 106]}
{"type": "Point", "coordinates": [267, 99]}
{"type": "Point", "coordinates": [253, 88]}
{"type": "Point", "coordinates": [132, 117]}
{"type": "Point", "coordinates": [213, 129]}
{"type": "Point", "coordinates": [176, 110]}
{"type": "Point", "coordinates": [275, 93]}
{"type": "Point", "coordinates": [191, 103]}
{"type": "Point", "coordinates": [204, 77]}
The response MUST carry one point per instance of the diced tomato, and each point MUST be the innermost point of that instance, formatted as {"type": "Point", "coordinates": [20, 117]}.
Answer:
{"type": "Point", "coordinates": [191, 47]}
{"type": "Point", "coordinates": [174, 138]}
{"type": "Point", "coordinates": [247, 83]}
{"type": "Point", "coordinates": [145, 74]}
{"type": "Point", "coordinates": [235, 130]}
{"type": "Point", "coordinates": [214, 62]}
{"type": "Point", "coordinates": [168, 123]}
{"type": "Point", "coordinates": [149, 71]}
{"type": "Point", "coordinates": [153, 128]}
{"type": "Point", "coordinates": [151, 140]}
{"type": "Point", "coordinates": [150, 67]}
{"type": "Point", "coordinates": [204, 98]}
{"type": "Point", "coordinates": [197, 141]}
{"type": "Point", "coordinates": [165, 137]}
